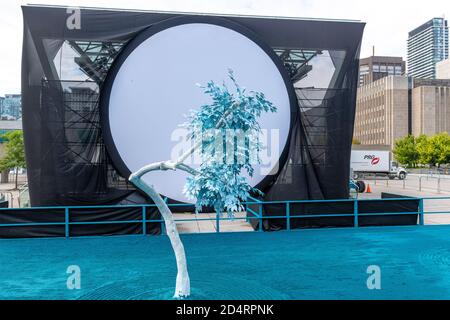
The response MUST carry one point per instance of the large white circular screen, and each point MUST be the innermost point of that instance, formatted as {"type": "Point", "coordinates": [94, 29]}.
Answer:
{"type": "Point", "coordinates": [156, 86]}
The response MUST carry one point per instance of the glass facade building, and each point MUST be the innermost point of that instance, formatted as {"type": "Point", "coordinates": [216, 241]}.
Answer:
{"type": "Point", "coordinates": [377, 67]}
{"type": "Point", "coordinates": [427, 45]}
{"type": "Point", "coordinates": [11, 107]}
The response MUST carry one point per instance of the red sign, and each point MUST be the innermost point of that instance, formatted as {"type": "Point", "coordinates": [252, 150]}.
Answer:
{"type": "Point", "coordinates": [375, 161]}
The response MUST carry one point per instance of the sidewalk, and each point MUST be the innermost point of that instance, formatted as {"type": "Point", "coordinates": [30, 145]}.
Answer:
{"type": "Point", "coordinates": [209, 226]}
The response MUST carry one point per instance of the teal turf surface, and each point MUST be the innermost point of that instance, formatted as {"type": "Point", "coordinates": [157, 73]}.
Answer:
{"type": "Point", "coordinates": [308, 264]}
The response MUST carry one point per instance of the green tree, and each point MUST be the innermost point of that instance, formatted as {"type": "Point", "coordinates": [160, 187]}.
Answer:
{"type": "Point", "coordinates": [424, 149]}
{"type": "Point", "coordinates": [434, 150]}
{"type": "Point", "coordinates": [405, 151]}
{"type": "Point", "coordinates": [15, 153]}
{"type": "Point", "coordinates": [440, 148]}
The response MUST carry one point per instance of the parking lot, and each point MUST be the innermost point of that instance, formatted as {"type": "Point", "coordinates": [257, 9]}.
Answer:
{"type": "Point", "coordinates": [416, 185]}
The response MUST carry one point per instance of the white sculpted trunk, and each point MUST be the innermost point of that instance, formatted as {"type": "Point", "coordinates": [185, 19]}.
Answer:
{"type": "Point", "coordinates": [183, 285]}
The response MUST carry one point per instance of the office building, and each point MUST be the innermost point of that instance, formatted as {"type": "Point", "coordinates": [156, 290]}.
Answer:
{"type": "Point", "coordinates": [381, 111]}
{"type": "Point", "coordinates": [427, 45]}
{"type": "Point", "coordinates": [430, 107]}
{"type": "Point", "coordinates": [443, 69]}
{"type": "Point", "coordinates": [395, 106]}
{"type": "Point", "coordinates": [376, 67]}
{"type": "Point", "coordinates": [11, 107]}
{"type": "Point", "coordinates": [2, 103]}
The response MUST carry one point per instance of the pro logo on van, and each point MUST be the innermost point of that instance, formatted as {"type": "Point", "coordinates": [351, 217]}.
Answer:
{"type": "Point", "coordinates": [375, 161]}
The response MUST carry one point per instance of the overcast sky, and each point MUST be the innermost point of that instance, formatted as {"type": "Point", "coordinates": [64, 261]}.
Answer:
{"type": "Point", "coordinates": [388, 21]}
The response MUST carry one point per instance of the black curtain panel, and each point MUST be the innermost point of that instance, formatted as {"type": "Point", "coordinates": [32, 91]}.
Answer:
{"type": "Point", "coordinates": [65, 151]}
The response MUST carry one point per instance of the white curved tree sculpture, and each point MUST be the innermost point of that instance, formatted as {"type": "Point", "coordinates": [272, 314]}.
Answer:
{"type": "Point", "coordinates": [218, 182]}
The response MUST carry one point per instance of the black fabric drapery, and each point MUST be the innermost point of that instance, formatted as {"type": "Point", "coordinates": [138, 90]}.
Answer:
{"type": "Point", "coordinates": [66, 158]}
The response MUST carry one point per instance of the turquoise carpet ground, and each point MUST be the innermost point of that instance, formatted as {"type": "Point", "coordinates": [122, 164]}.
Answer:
{"type": "Point", "coordinates": [307, 264]}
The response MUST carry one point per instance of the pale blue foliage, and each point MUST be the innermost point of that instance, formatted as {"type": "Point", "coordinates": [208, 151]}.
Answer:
{"type": "Point", "coordinates": [219, 183]}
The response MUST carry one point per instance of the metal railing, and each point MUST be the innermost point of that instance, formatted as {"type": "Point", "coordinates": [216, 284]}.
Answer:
{"type": "Point", "coordinates": [356, 214]}
{"type": "Point", "coordinates": [422, 183]}
{"type": "Point", "coordinates": [24, 196]}
{"type": "Point", "coordinates": [251, 213]}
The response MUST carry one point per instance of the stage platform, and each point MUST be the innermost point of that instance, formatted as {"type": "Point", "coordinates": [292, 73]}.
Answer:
{"type": "Point", "coordinates": [303, 264]}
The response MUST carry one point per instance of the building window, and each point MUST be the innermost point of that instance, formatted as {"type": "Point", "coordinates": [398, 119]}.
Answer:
{"type": "Point", "coordinates": [364, 69]}
{"type": "Point", "coordinates": [391, 70]}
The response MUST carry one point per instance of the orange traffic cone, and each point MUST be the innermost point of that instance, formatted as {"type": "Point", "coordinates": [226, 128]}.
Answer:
{"type": "Point", "coordinates": [368, 189]}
